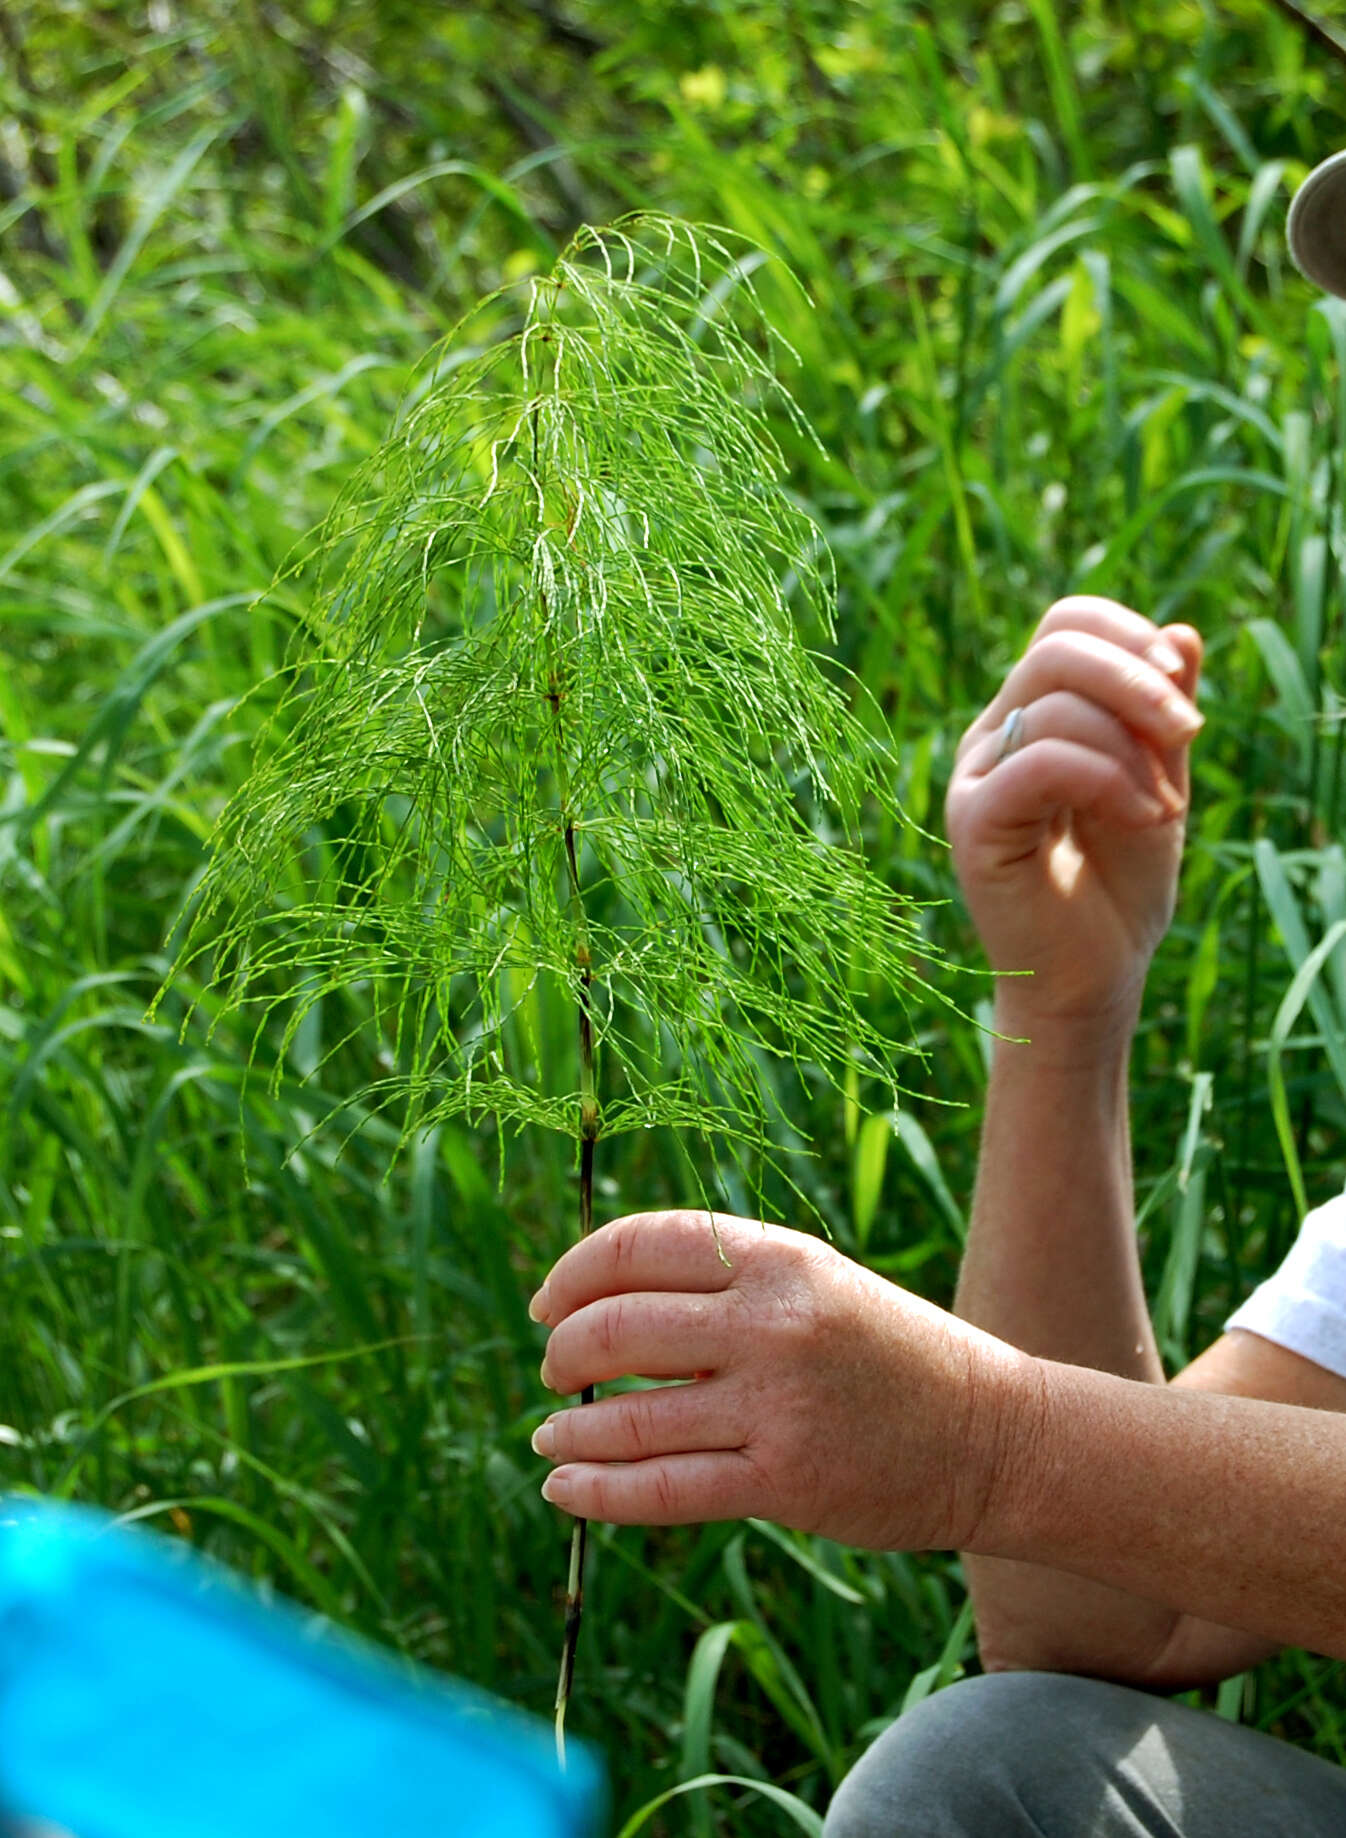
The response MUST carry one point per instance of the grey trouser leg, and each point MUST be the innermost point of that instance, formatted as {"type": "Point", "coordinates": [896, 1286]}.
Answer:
{"type": "Point", "coordinates": [1042, 1755]}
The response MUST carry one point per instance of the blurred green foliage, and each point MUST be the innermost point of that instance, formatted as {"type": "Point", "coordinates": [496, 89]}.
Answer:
{"type": "Point", "coordinates": [1054, 344]}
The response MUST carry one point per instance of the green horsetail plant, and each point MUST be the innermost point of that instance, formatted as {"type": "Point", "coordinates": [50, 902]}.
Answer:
{"type": "Point", "coordinates": [553, 722]}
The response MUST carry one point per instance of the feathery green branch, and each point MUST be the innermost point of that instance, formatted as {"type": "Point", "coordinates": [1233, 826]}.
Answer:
{"type": "Point", "coordinates": [553, 718]}
{"type": "Point", "coordinates": [588, 516]}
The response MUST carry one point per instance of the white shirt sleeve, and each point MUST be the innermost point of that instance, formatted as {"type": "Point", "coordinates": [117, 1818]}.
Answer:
{"type": "Point", "coordinates": [1303, 1305]}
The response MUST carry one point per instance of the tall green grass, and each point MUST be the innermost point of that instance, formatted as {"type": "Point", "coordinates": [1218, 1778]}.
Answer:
{"type": "Point", "coordinates": [1054, 343]}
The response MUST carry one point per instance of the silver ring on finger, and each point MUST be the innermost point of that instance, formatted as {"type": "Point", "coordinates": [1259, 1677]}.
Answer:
{"type": "Point", "coordinates": [1011, 734]}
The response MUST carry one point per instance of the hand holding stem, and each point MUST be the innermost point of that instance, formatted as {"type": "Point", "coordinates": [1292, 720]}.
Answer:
{"type": "Point", "coordinates": [834, 1402]}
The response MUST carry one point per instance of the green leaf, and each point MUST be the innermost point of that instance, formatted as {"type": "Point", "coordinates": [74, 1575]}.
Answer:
{"type": "Point", "coordinates": [1305, 986]}
{"type": "Point", "coordinates": [799, 1814]}
{"type": "Point", "coordinates": [1285, 911]}
{"type": "Point", "coordinates": [871, 1156]}
{"type": "Point", "coordinates": [1202, 981]}
{"type": "Point", "coordinates": [947, 1667]}
{"type": "Point", "coordinates": [157, 199]}
{"type": "Point", "coordinates": [698, 1706]}
{"type": "Point", "coordinates": [798, 1547]}
{"type": "Point", "coordinates": [1191, 184]}
{"type": "Point", "coordinates": [922, 1152]}
{"type": "Point", "coordinates": [1173, 1303]}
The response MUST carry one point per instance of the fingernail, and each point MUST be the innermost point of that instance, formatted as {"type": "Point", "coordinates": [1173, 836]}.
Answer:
{"type": "Point", "coordinates": [554, 1490]}
{"type": "Point", "coordinates": [1182, 716]}
{"type": "Point", "coordinates": [1165, 657]}
{"type": "Point", "coordinates": [537, 1308]}
{"type": "Point", "coordinates": [544, 1439]}
{"type": "Point", "coordinates": [542, 1374]}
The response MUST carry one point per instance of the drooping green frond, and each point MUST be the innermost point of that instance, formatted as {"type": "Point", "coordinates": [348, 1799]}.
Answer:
{"type": "Point", "coordinates": [557, 718]}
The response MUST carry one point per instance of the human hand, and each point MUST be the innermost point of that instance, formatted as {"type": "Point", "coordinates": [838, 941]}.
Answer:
{"type": "Point", "coordinates": [1068, 849]}
{"type": "Point", "coordinates": [818, 1394]}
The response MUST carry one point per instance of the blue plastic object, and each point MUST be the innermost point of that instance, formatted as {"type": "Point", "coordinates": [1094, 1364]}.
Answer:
{"type": "Point", "coordinates": [144, 1694]}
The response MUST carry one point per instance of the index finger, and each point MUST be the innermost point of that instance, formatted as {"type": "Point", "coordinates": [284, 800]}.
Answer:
{"type": "Point", "coordinates": [1092, 613]}
{"type": "Point", "coordinates": [1122, 625]}
{"type": "Point", "coordinates": [1105, 618]}
{"type": "Point", "coordinates": [1158, 645]}
{"type": "Point", "coordinates": [696, 1252]}
{"type": "Point", "coordinates": [1173, 650]}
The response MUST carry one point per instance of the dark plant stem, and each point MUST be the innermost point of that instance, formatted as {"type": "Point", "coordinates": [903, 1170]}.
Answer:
{"type": "Point", "coordinates": [588, 1134]}
{"type": "Point", "coordinates": [579, 1537]}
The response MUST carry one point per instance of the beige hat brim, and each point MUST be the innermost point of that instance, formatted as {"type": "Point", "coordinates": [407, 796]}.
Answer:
{"type": "Point", "coordinates": [1316, 230]}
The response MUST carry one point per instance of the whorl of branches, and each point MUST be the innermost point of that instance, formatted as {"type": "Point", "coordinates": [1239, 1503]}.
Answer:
{"type": "Point", "coordinates": [567, 603]}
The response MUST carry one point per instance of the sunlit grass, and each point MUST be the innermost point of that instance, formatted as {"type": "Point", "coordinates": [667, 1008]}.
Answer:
{"type": "Point", "coordinates": [1053, 343]}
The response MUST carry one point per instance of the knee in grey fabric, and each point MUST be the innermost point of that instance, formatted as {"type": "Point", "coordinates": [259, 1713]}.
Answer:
{"type": "Point", "coordinates": [1045, 1755]}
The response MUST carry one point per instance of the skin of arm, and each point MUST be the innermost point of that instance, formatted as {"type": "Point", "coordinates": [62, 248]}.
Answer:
{"type": "Point", "coordinates": [811, 1391]}
{"type": "Point", "coordinates": [1051, 1267]}
{"type": "Point", "coordinates": [1180, 1496]}
{"type": "Point", "coordinates": [1051, 1263]}
{"type": "Point", "coordinates": [1111, 1523]}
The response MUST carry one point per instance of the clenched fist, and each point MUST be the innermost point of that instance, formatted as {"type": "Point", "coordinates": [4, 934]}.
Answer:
{"type": "Point", "coordinates": [1067, 822]}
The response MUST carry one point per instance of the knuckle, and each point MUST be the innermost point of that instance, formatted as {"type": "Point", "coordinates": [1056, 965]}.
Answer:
{"type": "Point", "coordinates": [1061, 615]}
{"type": "Point", "coordinates": [686, 1225]}
{"type": "Point", "coordinates": [628, 1229]}
{"type": "Point", "coordinates": [794, 1315]}
{"type": "Point", "coordinates": [1071, 606]}
{"type": "Point", "coordinates": [773, 1479]}
{"type": "Point", "coordinates": [794, 1247]}
{"type": "Point", "coordinates": [667, 1495]}
{"type": "Point", "coordinates": [1144, 681]}
{"type": "Point", "coordinates": [608, 1327]}
{"type": "Point", "coordinates": [1056, 615]}
{"type": "Point", "coordinates": [624, 1235]}
{"type": "Point", "coordinates": [1115, 776]}
{"type": "Point", "coordinates": [597, 1503]}
{"type": "Point", "coordinates": [699, 1227]}
{"type": "Point", "coordinates": [636, 1424]}
{"type": "Point", "coordinates": [1051, 648]}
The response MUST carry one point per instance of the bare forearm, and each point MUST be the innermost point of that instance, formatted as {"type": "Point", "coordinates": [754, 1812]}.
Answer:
{"type": "Point", "coordinates": [1051, 1267]}
{"type": "Point", "coordinates": [1066, 815]}
{"type": "Point", "coordinates": [1222, 1511]}
{"type": "Point", "coordinates": [1050, 1263]}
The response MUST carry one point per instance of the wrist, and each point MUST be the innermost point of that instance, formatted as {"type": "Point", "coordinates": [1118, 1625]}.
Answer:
{"type": "Point", "coordinates": [1015, 1408]}
{"type": "Point", "coordinates": [1007, 1429]}
{"type": "Point", "coordinates": [1031, 1032]}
